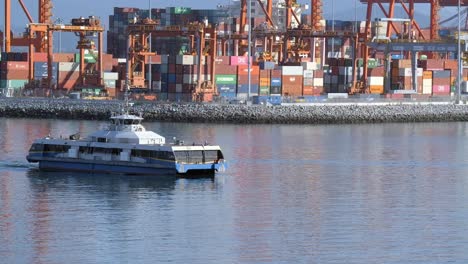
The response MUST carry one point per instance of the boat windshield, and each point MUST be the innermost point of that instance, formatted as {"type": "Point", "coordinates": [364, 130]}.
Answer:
{"type": "Point", "coordinates": [131, 122]}
{"type": "Point", "coordinates": [125, 121]}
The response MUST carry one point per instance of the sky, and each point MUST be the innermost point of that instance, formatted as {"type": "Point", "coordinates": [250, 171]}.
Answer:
{"type": "Point", "coordinates": [68, 9]}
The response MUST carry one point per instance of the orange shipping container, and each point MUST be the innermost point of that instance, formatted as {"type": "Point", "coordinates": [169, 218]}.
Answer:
{"type": "Point", "coordinates": [376, 89]}
{"type": "Point", "coordinates": [312, 90]}
{"type": "Point", "coordinates": [243, 70]}
{"type": "Point", "coordinates": [401, 64]}
{"type": "Point", "coordinates": [427, 75]}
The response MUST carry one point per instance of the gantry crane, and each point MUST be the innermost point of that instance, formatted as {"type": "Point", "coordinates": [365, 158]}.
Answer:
{"type": "Point", "coordinates": [44, 17]}
{"type": "Point", "coordinates": [202, 38]}
{"type": "Point", "coordinates": [39, 37]}
{"type": "Point", "coordinates": [409, 7]}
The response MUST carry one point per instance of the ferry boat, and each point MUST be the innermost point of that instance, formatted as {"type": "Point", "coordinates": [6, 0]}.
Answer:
{"type": "Point", "coordinates": [126, 147]}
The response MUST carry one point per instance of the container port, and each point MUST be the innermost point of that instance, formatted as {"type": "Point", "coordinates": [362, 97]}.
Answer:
{"type": "Point", "coordinates": [182, 54]}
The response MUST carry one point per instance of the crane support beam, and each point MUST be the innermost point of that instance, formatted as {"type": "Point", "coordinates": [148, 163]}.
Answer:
{"type": "Point", "coordinates": [268, 12]}
{"type": "Point", "coordinates": [7, 25]}
{"type": "Point", "coordinates": [23, 6]}
{"type": "Point", "coordinates": [316, 14]}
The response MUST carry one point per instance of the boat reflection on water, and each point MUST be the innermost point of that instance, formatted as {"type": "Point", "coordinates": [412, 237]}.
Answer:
{"type": "Point", "coordinates": [112, 183]}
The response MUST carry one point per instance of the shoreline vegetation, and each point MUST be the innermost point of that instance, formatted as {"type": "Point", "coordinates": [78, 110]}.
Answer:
{"type": "Point", "coordinates": [42, 108]}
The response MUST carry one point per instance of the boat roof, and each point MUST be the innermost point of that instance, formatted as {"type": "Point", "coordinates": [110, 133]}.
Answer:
{"type": "Point", "coordinates": [127, 116]}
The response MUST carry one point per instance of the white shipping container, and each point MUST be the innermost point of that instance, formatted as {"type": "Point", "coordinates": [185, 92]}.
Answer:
{"type": "Point", "coordinates": [69, 66]}
{"type": "Point", "coordinates": [376, 80]}
{"type": "Point", "coordinates": [110, 83]}
{"type": "Point", "coordinates": [157, 85]}
{"type": "Point", "coordinates": [407, 72]}
{"type": "Point", "coordinates": [291, 70]}
{"type": "Point", "coordinates": [185, 59]}
{"type": "Point", "coordinates": [427, 86]}
{"type": "Point", "coordinates": [111, 76]}
{"type": "Point", "coordinates": [307, 65]}
{"type": "Point", "coordinates": [308, 74]}
{"type": "Point", "coordinates": [121, 60]}
{"type": "Point", "coordinates": [318, 82]}
{"type": "Point", "coordinates": [338, 95]}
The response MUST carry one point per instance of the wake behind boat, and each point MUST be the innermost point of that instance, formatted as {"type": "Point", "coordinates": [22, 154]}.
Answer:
{"type": "Point", "coordinates": [126, 147]}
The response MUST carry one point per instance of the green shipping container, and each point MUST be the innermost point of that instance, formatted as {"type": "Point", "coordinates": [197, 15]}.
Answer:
{"type": "Point", "coordinates": [264, 90]}
{"type": "Point", "coordinates": [16, 84]}
{"type": "Point", "coordinates": [226, 79]}
{"type": "Point", "coordinates": [371, 63]}
{"type": "Point", "coordinates": [180, 10]}
{"type": "Point", "coordinates": [88, 58]}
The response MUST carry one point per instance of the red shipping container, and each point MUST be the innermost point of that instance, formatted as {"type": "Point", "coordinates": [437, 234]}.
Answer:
{"type": "Point", "coordinates": [14, 75]}
{"type": "Point", "coordinates": [292, 85]}
{"type": "Point", "coordinates": [14, 65]}
{"type": "Point", "coordinates": [226, 69]}
{"type": "Point", "coordinates": [318, 73]}
{"type": "Point", "coordinates": [333, 62]}
{"type": "Point", "coordinates": [308, 90]}
{"type": "Point", "coordinates": [179, 78]}
{"type": "Point", "coordinates": [275, 73]}
{"type": "Point", "coordinates": [244, 79]}
{"type": "Point", "coordinates": [40, 57]}
{"type": "Point", "coordinates": [431, 64]}
{"type": "Point", "coordinates": [63, 57]}
{"type": "Point", "coordinates": [441, 81]}
{"type": "Point", "coordinates": [377, 72]}
{"type": "Point", "coordinates": [171, 88]}
{"type": "Point", "coordinates": [171, 68]}
{"type": "Point", "coordinates": [264, 73]}
{"type": "Point", "coordinates": [155, 59]}
{"type": "Point", "coordinates": [179, 68]}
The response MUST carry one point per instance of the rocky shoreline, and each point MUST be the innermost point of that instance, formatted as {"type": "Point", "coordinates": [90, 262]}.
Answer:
{"type": "Point", "coordinates": [224, 113]}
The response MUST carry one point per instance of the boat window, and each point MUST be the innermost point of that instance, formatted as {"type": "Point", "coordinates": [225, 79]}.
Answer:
{"type": "Point", "coordinates": [127, 121]}
{"type": "Point", "coordinates": [116, 151]}
{"type": "Point", "coordinates": [164, 155]}
{"type": "Point", "coordinates": [56, 148]}
{"type": "Point", "coordinates": [102, 150]}
{"type": "Point", "coordinates": [37, 147]}
{"type": "Point", "coordinates": [211, 155]}
{"type": "Point", "coordinates": [136, 122]}
{"type": "Point", "coordinates": [144, 153]}
{"type": "Point", "coordinates": [86, 150]}
{"type": "Point", "coordinates": [189, 156]}
{"type": "Point", "coordinates": [104, 140]}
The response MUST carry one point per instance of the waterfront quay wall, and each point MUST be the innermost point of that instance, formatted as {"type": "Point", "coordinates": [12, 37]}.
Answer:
{"type": "Point", "coordinates": [337, 113]}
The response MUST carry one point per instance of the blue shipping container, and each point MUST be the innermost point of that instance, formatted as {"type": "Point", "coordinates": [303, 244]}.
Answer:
{"type": "Point", "coordinates": [274, 100]}
{"type": "Point", "coordinates": [244, 88]}
{"type": "Point", "coordinates": [267, 65]}
{"type": "Point", "coordinates": [164, 88]}
{"type": "Point", "coordinates": [171, 78]}
{"type": "Point", "coordinates": [226, 88]}
{"type": "Point", "coordinates": [276, 82]}
{"type": "Point", "coordinates": [228, 95]}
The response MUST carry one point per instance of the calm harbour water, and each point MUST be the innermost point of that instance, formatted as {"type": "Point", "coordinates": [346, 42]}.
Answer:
{"type": "Point", "coordinates": [384, 193]}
